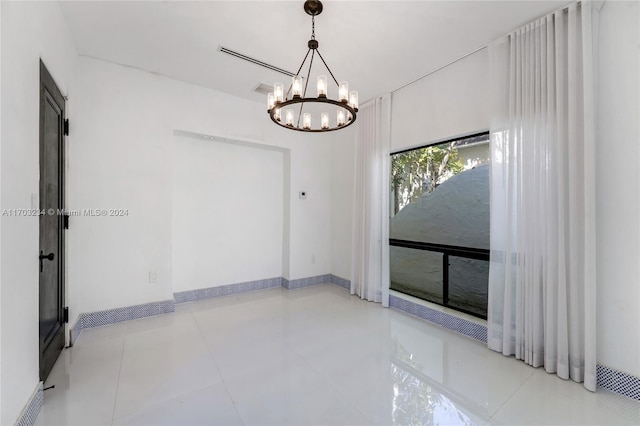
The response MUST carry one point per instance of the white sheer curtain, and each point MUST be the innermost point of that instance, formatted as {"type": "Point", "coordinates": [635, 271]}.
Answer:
{"type": "Point", "coordinates": [542, 287]}
{"type": "Point", "coordinates": [370, 252]}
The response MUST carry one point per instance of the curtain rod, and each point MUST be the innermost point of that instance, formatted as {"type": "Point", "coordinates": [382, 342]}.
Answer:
{"type": "Point", "coordinates": [439, 68]}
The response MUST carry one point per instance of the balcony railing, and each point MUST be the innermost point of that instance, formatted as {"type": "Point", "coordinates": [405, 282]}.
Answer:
{"type": "Point", "coordinates": [448, 252]}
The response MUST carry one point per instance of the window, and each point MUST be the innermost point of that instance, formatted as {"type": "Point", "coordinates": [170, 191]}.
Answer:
{"type": "Point", "coordinates": [439, 225]}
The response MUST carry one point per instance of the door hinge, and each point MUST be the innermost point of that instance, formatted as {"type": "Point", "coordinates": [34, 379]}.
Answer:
{"type": "Point", "coordinates": [65, 221]}
{"type": "Point", "coordinates": [66, 127]}
{"type": "Point", "coordinates": [65, 314]}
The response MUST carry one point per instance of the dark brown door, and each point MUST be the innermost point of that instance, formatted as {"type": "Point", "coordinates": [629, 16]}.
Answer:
{"type": "Point", "coordinates": [51, 256]}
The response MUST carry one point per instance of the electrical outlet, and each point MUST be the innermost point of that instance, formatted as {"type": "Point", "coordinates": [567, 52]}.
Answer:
{"type": "Point", "coordinates": [153, 276]}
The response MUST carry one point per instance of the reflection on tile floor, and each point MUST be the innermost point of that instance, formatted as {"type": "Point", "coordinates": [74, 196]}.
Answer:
{"type": "Point", "coordinates": [314, 356]}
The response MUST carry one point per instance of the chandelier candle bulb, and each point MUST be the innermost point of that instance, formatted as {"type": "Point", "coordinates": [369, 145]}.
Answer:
{"type": "Point", "coordinates": [288, 117]}
{"type": "Point", "coordinates": [296, 86]}
{"type": "Point", "coordinates": [277, 115]}
{"type": "Point", "coordinates": [341, 118]}
{"type": "Point", "coordinates": [271, 101]}
{"type": "Point", "coordinates": [343, 91]}
{"type": "Point", "coordinates": [322, 86]}
{"type": "Point", "coordinates": [278, 92]}
{"type": "Point", "coordinates": [353, 99]}
{"type": "Point", "coordinates": [324, 120]}
{"type": "Point", "coordinates": [306, 120]}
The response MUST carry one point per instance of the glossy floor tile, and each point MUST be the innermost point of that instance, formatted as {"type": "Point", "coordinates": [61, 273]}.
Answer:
{"type": "Point", "coordinates": [314, 356]}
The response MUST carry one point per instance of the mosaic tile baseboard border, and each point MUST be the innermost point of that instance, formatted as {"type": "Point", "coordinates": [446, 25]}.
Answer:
{"type": "Point", "coordinates": [443, 319]}
{"type": "Point", "coordinates": [226, 290]}
{"type": "Point", "coordinates": [33, 407]}
{"type": "Point", "coordinates": [618, 382]}
{"type": "Point", "coordinates": [339, 281]}
{"type": "Point", "coordinates": [127, 313]}
{"type": "Point", "coordinates": [305, 282]}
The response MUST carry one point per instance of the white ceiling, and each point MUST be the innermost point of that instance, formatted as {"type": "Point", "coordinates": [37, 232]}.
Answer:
{"type": "Point", "coordinates": [377, 46]}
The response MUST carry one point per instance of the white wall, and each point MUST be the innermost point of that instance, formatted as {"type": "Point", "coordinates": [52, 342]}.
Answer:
{"type": "Point", "coordinates": [618, 187]}
{"type": "Point", "coordinates": [342, 170]}
{"type": "Point", "coordinates": [309, 219]}
{"type": "Point", "coordinates": [227, 212]}
{"type": "Point", "coordinates": [122, 158]}
{"type": "Point", "coordinates": [30, 31]}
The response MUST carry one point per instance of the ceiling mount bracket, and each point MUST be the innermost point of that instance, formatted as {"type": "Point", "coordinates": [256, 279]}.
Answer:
{"type": "Point", "coordinates": [313, 7]}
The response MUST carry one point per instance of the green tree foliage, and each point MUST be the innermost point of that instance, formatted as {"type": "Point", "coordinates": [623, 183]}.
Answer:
{"type": "Point", "coordinates": [420, 171]}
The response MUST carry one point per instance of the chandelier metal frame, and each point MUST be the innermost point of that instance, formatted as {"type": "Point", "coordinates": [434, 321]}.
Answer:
{"type": "Point", "coordinates": [350, 107]}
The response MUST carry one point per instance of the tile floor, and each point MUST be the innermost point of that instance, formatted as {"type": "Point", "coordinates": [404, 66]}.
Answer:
{"type": "Point", "coordinates": [314, 356]}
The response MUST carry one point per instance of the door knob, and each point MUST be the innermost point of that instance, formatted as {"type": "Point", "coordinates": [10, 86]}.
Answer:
{"type": "Point", "coordinates": [43, 256]}
{"type": "Point", "coordinates": [49, 256]}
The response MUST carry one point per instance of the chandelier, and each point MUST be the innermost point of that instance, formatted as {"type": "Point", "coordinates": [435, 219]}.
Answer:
{"type": "Point", "coordinates": [280, 105]}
